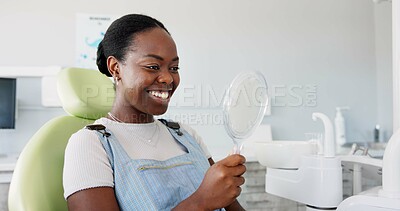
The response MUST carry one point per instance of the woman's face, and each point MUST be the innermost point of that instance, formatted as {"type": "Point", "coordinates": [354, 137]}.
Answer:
{"type": "Point", "coordinates": [149, 75]}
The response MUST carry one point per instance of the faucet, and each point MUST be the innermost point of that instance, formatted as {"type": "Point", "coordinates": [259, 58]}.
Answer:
{"type": "Point", "coordinates": [355, 148]}
{"type": "Point", "coordinates": [329, 142]}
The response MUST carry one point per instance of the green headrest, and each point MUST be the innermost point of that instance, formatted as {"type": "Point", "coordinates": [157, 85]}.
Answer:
{"type": "Point", "coordinates": [85, 93]}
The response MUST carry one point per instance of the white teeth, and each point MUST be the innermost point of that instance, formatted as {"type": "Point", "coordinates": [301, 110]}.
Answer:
{"type": "Point", "coordinates": [161, 94]}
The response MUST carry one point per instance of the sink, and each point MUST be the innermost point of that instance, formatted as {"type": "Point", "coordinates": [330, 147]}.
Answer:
{"type": "Point", "coordinates": [283, 154]}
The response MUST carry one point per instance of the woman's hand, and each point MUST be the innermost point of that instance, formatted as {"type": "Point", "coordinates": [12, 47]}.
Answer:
{"type": "Point", "coordinates": [220, 186]}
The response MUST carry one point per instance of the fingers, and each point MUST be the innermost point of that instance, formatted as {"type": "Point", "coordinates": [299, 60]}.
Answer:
{"type": "Point", "coordinates": [238, 170]}
{"type": "Point", "coordinates": [239, 181]}
{"type": "Point", "coordinates": [233, 160]}
{"type": "Point", "coordinates": [234, 182]}
{"type": "Point", "coordinates": [236, 190]}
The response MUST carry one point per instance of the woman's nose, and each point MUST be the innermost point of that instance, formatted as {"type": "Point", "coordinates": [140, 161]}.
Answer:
{"type": "Point", "coordinates": [165, 77]}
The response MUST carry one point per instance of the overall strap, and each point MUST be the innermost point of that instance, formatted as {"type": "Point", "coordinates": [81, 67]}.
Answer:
{"type": "Point", "coordinates": [173, 125]}
{"type": "Point", "coordinates": [103, 135]}
{"type": "Point", "coordinates": [99, 128]}
{"type": "Point", "coordinates": [102, 129]}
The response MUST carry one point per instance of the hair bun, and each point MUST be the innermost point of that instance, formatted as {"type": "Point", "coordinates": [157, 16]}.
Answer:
{"type": "Point", "coordinates": [101, 60]}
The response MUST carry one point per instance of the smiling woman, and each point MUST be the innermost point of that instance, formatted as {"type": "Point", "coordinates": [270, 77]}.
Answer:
{"type": "Point", "coordinates": [147, 76]}
{"type": "Point", "coordinates": [140, 163]}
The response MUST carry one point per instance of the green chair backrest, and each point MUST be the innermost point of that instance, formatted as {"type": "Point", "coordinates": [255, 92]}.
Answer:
{"type": "Point", "coordinates": [36, 184]}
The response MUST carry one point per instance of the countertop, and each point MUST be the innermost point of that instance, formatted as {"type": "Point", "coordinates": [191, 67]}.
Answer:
{"type": "Point", "coordinates": [7, 165]}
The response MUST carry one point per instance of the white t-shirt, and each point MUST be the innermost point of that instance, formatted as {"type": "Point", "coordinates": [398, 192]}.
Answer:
{"type": "Point", "coordinates": [86, 163]}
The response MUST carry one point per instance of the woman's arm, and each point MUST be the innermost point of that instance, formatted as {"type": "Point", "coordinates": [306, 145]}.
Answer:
{"type": "Point", "coordinates": [220, 186]}
{"type": "Point", "coordinates": [101, 198]}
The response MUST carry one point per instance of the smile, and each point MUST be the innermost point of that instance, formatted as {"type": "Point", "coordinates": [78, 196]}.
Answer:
{"type": "Point", "coordinates": [160, 94]}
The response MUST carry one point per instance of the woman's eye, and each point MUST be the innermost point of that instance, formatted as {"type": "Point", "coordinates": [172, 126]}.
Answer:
{"type": "Point", "coordinates": [153, 67]}
{"type": "Point", "coordinates": [174, 69]}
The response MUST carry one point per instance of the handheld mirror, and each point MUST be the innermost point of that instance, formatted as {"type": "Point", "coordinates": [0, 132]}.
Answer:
{"type": "Point", "coordinates": [244, 106]}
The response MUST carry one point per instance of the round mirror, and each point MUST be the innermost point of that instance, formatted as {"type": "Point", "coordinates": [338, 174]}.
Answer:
{"type": "Point", "coordinates": [244, 106]}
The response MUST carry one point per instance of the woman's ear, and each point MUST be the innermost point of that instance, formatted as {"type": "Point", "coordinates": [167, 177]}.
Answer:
{"type": "Point", "coordinates": [113, 66]}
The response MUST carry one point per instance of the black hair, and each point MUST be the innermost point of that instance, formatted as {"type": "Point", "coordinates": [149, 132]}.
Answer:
{"type": "Point", "coordinates": [119, 37]}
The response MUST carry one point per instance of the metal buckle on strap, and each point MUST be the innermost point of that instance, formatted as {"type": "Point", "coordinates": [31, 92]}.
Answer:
{"type": "Point", "coordinates": [100, 128]}
{"type": "Point", "coordinates": [173, 125]}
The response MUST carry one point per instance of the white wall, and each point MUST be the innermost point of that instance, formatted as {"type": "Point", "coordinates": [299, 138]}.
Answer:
{"type": "Point", "coordinates": [329, 45]}
{"type": "Point", "coordinates": [383, 49]}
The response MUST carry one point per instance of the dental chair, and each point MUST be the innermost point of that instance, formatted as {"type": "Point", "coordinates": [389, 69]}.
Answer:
{"type": "Point", "coordinates": [36, 185]}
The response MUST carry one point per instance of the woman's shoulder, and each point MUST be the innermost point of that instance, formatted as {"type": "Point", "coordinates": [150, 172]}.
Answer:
{"type": "Point", "coordinates": [183, 126]}
{"type": "Point", "coordinates": [84, 138]}
{"type": "Point", "coordinates": [84, 134]}
{"type": "Point", "coordinates": [90, 133]}
{"type": "Point", "coordinates": [188, 129]}
{"type": "Point", "coordinates": [193, 133]}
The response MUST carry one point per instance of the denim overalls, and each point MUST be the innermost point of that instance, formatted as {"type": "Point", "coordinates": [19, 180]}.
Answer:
{"type": "Point", "coordinates": [145, 184]}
